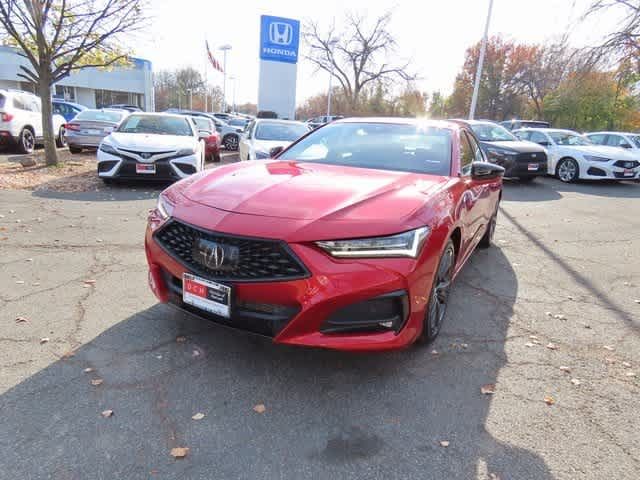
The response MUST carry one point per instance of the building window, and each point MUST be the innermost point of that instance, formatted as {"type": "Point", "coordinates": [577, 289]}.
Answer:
{"type": "Point", "coordinates": [105, 98]}
{"type": "Point", "coordinates": [28, 87]}
{"type": "Point", "coordinates": [65, 93]}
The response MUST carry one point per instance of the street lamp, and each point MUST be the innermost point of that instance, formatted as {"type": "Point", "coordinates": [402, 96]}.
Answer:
{"type": "Point", "coordinates": [234, 79]}
{"type": "Point", "coordinates": [483, 48]}
{"type": "Point", "coordinates": [332, 44]}
{"type": "Point", "coordinates": [225, 49]}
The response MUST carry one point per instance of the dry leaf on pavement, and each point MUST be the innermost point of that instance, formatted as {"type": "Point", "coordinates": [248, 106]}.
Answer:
{"type": "Point", "coordinates": [488, 389]}
{"type": "Point", "coordinates": [198, 416]}
{"type": "Point", "coordinates": [444, 443]}
{"type": "Point", "coordinates": [88, 370]}
{"type": "Point", "coordinates": [44, 340]}
{"type": "Point", "coordinates": [609, 347]}
{"type": "Point", "coordinates": [626, 364]}
{"type": "Point", "coordinates": [21, 320]}
{"type": "Point", "coordinates": [179, 452]}
{"type": "Point", "coordinates": [549, 400]}
{"type": "Point", "coordinates": [107, 413]}
{"type": "Point", "coordinates": [529, 344]}
{"type": "Point", "coordinates": [96, 381]}
{"type": "Point", "coordinates": [630, 374]}
{"type": "Point", "coordinates": [565, 369]}
{"type": "Point", "coordinates": [434, 352]}
{"type": "Point", "coordinates": [552, 346]}
{"type": "Point", "coordinates": [575, 381]}
{"type": "Point", "coordinates": [69, 354]}
{"type": "Point", "coordinates": [260, 408]}
{"type": "Point", "coordinates": [89, 282]}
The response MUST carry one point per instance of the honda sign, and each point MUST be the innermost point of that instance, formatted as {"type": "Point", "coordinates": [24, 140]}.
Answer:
{"type": "Point", "coordinates": [279, 39]}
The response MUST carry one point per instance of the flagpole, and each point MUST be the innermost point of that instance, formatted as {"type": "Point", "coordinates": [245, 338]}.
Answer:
{"type": "Point", "coordinates": [206, 90]}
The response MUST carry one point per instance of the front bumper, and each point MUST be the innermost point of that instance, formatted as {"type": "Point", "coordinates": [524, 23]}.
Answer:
{"type": "Point", "coordinates": [167, 170]}
{"type": "Point", "coordinates": [521, 165]}
{"type": "Point", "coordinates": [306, 311]}
{"type": "Point", "coordinates": [612, 170]}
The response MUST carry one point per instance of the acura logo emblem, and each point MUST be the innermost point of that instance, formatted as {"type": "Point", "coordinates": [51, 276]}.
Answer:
{"type": "Point", "coordinates": [213, 255]}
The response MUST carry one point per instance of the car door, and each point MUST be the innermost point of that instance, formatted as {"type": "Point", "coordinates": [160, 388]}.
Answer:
{"type": "Point", "coordinates": [35, 114]}
{"type": "Point", "coordinates": [245, 142]}
{"type": "Point", "coordinates": [543, 140]}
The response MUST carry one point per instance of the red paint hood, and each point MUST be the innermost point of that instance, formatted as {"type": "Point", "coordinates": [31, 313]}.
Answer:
{"type": "Point", "coordinates": [312, 191]}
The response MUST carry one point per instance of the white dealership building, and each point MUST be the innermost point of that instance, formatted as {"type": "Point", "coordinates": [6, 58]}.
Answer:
{"type": "Point", "coordinates": [91, 87]}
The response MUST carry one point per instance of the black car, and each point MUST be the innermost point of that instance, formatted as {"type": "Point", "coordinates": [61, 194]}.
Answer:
{"type": "Point", "coordinates": [524, 160]}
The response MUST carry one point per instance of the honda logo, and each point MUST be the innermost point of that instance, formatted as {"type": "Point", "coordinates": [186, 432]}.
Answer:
{"type": "Point", "coordinates": [280, 33]}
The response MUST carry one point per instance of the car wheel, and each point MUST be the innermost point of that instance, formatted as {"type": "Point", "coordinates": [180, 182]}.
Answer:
{"type": "Point", "coordinates": [230, 142]}
{"type": "Point", "coordinates": [26, 141]}
{"type": "Point", "coordinates": [75, 149]}
{"type": "Point", "coordinates": [60, 141]}
{"type": "Point", "coordinates": [568, 170]}
{"type": "Point", "coordinates": [487, 239]}
{"type": "Point", "coordinates": [439, 296]}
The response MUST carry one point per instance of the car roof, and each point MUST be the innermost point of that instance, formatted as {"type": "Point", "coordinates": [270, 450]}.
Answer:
{"type": "Point", "coordinates": [277, 120]}
{"type": "Point", "coordinates": [612, 133]}
{"type": "Point", "coordinates": [161, 114]}
{"type": "Point", "coordinates": [403, 120]}
{"type": "Point", "coordinates": [546, 130]}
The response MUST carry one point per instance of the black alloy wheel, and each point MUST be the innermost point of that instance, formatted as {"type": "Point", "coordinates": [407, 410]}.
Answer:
{"type": "Point", "coordinates": [27, 141]}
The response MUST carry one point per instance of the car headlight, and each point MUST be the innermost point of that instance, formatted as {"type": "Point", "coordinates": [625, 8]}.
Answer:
{"type": "Point", "coordinates": [106, 148]}
{"type": "Point", "coordinates": [594, 158]}
{"type": "Point", "coordinates": [260, 155]}
{"type": "Point", "coordinates": [499, 153]}
{"type": "Point", "coordinates": [185, 151]}
{"type": "Point", "coordinates": [164, 207]}
{"type": "Point", "coordinates": [406, 244]}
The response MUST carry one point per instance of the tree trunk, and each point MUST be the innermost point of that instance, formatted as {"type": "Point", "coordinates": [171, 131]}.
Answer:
{"type": "Point", "coordinates": [50, 152]}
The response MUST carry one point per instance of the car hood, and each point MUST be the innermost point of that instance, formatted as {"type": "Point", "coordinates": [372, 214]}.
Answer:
{"type": "Point", "coordinates": [150, 143]}
{"type": "Point", "coordinates": [517, 146]}
{"type": "Point", "coordinates": [311, 191]}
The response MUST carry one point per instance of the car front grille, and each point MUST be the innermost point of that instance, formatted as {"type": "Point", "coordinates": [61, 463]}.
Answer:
{"type": "Point", "coordinates": [532, 157]}
{"type": "Point", "coordinates": [626, 164]}
{"type": "Point", "coordinates": [259, 260]}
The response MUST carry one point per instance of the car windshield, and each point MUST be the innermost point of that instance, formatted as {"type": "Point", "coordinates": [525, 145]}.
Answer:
{"type": "Point", "coordinates": [383, 146]}
{"type": "Point", "coordinates": [203, 123]}
{"type": "Point", "coordinates": [282, 132]}
{"type": "Point", "coordinates": [490, 132]}
{"type": "Point", "coordinates": [635, 139]}
{"type": "Point", "coordinates": [156, 124]}
{"type": "Point", "coordinates": [100, 116]}
{"type": "Point", "coordinates": [569, 139]}
{"type": "Point", "coordinates": [237, 122]}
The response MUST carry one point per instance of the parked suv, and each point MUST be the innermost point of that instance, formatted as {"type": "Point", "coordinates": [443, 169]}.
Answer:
{"type": "Point", "coordinates": [21, 121]}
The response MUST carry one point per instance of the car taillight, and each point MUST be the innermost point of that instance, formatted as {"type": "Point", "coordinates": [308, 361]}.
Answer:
{"type": "Point", "coordinates": [6, 117]}
{"type": "Point", "coordinates": [72, 126]}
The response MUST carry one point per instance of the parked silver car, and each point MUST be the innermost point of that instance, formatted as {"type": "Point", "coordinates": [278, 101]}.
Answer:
{"type": "Point", "coordinates": [89, 127]}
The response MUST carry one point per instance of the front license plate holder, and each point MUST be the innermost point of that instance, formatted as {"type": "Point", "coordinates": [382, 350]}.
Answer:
{"type": "Point", "coordinates": [212, 297]}
{"type": "Point", "coordinates": [533, 167]}
{"type": "Point", "coordinates": [628, 172]}
{"type": "Point", "coordinates": [145, 168]}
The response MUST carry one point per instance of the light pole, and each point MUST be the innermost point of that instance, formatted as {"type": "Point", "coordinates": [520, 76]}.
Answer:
{"type": "Point", "coordinates": [225, 49]}
{"type": "Point", "coordinates": [332, 44]}
{"type": "Point", "coordinates": [483, 48]}
{"type": "Point", "coordinates": [234, 80]}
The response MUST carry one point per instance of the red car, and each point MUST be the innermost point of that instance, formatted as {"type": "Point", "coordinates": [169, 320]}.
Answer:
{"type": "Point", "coordinates": [349, 239]}
{"type": "Point", "coordinates": [213, 141]}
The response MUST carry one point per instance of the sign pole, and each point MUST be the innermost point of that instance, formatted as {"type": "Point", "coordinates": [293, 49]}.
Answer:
{"type": "Point", "coordinates": [483, 48]}
{"type": "Point", "coordinates": [224, 49]}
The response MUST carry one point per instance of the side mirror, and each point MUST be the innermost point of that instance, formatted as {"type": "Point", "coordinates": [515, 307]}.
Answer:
{"type": "Point", "coordinates": [275, 151]}
{"type": "Point", "coordinates": [625, 145]}
{"type": "Point", "coordinates": [486, 171]}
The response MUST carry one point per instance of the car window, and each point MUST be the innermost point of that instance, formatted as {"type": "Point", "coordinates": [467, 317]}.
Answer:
{"type": "Point", "coordinates": [636, 140]}
{"type": "Point", "coordinates": [383, 146]}
{"type": "Point", "coordinates": [475, 146]}
{"type": "Point", "coordinates": [277, 131]}
{"type": "Point", "coordinates": [490, 132]}
{"type": "Point", "coordinates": [538, 138]}
{"type": "Point", "coordinates": [598, 138]}
{"type": "Point", "coordinates": [19, 102]}
{"type": "Point", "coordinates": [203, 123]}
{"type": "Point", "coordinates": [614, 140]}
{"type": "Point", "coordinates": [568, 139]}
{"type": "Point", "coordinates": [156, 125]}
{"type": "Point", "coordinates": [100, 116]}
{"type": "Point", "coordinates": [524, 135]}
{"type": "Point", "coordinates": [467, 154]}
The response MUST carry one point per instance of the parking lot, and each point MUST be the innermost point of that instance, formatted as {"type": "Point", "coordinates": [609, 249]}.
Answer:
{"type": "Point", "coordinates": [82, 334]}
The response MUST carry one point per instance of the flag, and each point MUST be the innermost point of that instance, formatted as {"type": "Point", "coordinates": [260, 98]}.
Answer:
{"type": "Point", "coordinates": [214, 63]}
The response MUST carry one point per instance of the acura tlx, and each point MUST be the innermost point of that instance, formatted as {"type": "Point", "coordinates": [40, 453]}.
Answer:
{"type": "Point", "coordinates": [350, 239]}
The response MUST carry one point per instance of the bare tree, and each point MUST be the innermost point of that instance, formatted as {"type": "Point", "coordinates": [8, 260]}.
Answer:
{"type": "Point", "coordinates": [358, 55]}
{"type": "Point", "coordinates": [60, 36]}
{"type": "Point", "coordinates": [623, 43]}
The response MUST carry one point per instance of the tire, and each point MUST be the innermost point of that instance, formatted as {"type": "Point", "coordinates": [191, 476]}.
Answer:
{"type": "Point", "coordinates": [26, 141]}
{"type": "Point", "coordinates": [439, 295]}
{"type": "Point", "coordinates": [231, 142]}
{"type": "Point", "coordinates": [60, 141]}
{"type": "Point", "coordinates": [527, 179]}
{"type": "Point", "coordinates": [487, 239]}
{"type": "Point", "coordinates": [568, 170]}
{"type": "Point", "coordinates": [75, 149]}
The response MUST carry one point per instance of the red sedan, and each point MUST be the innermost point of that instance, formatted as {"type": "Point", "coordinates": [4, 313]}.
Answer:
{"type": "Point", "coordinates": [349, 239]}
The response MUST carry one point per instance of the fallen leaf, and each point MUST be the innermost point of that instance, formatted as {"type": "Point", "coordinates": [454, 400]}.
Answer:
{"type": "Point", "coordinates": [637, 300]}
{"type": "Point", "coordinates": [630, 374]}
{"type": "Point", "coordinates": [68, 354]}
{"type": "Point", "coordinates": [179, 452]}
{"type": "Point", "coordinates": [548, 314]}
{"type": "Point", "coordinates": [552, 346]}
{"type": "Point", "coordinates": [20, 282]}
{"type": "Point", "coordinates": [21, 320]}
{"type": "Point", "coordinates": [559, 317]}
{"type": "Point", "coordinates": [198, 416]}
{"type": "Point", "coordinates": [529, 344]}
{"type": "Point", "coordinates": [609, 347]}
{"type": "Point", "coordinates": [96, 381]}
{"type": "Point", "coordinates": [488, 389]}
{"type": "Point", "coordinates": [610, 360]}
{"type": "Point", "coordinates": [36, 284]}
{"type": "Point", "coordinates": [260, 408]}
{"type": "Point", "coordinates": [181, 339]}
{"type": "Point", "coordinates": [90, 282]}
{"type": "Point", "coordinates": [549, 400]}
{"type": "Point", "coordinates": [196, 353]}
{"type": "Point", "coordinates": [435, 352]}
{"type": "Point", "coordinates": [88, 370]}
{"type": "Point", "coordinates": [107, 413]}
{"type": "Point", "coordinates": [444, 443]}
{"type": "Point", "coordinates": [586, 325]}
{"type": "Point", "coordinates": [565, 369]}
{"type": "Point", "coordinates": [44, 340]}
{"type": "Point", "coordinates": [533, 337]}
{"type": "Point", "coordinates": [99, 240]}
{"type": "Point", "coordinates": [29, 260]}
{"type": "Point", "coordinates": [626, 364]}
{"type": "Point", "coordinates": [575, 381]}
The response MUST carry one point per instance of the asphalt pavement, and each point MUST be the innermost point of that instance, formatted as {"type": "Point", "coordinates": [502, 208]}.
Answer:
{"type": "Point", "coordinates": [561, 288]}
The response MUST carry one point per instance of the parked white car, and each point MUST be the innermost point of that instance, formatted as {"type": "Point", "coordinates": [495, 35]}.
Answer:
{"type": "Point", "coordinates": [262, 135]}
{"type": "Point", "coordinates": [629, 141]}
{"type": "Point", "coordinates": [21, 121]}
{"type": "Point", "coordinates": [152, 146]}
{"type": "Point", "coordinates": [572, 156]}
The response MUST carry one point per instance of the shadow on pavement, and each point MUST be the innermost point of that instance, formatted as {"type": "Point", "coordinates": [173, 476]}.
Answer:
{"type": "Point", "coordinates": [121, 191]}
{"type": "Point", "coordinates": [327, 414]}
{"type": "Point", "coordinates": [549, 188]}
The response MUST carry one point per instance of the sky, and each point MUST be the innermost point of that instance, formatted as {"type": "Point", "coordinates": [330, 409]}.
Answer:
{"type": "Point", "coordinates": [433, 34]}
